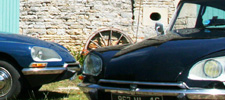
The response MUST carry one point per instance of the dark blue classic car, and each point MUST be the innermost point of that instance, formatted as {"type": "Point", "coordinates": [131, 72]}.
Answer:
{"type": "Point", "coordinates": [185, 62]}
{"type": "Point", "coordinates": [27, 63]}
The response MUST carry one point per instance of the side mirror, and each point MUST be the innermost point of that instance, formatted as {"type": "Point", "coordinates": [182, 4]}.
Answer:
{"type": "Point", "coordinates": [159, 28]}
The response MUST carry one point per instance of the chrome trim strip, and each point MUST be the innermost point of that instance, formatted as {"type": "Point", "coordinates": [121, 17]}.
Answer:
{"type": "Point", "coordinates": [190, 93]}
{"type": "Point", "coordinates": [71, 64]}
{"type": "Point", "coordinates": [74, 67]}
{"type": "Point", "coordinates": [74, 64]}
{"type": "Point", "coordinates": [180, 84]}
{"type": "Point", "coordinates": [65, 65]}
{"type": "Point", "coordinates": [43, 71]}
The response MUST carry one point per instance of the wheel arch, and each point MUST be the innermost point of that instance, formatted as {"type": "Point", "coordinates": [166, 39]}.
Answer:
{"type": "Point", "coordinates": [10, 59]}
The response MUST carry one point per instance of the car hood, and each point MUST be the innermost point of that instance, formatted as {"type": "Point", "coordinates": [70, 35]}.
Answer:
{"type": "Point", "coordinates": [160, 59]}
{"type": "Point", "coordinates": [21, 39]}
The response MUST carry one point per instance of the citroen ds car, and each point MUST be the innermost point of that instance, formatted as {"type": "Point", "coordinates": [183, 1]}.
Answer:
{"type": "Point", "coordinates": [27, 63]}
{"type": "Point", "coordinates": [187, 61]}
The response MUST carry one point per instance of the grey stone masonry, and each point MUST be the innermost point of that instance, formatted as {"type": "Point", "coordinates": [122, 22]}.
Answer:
{"type": "Point", "coordinates": [71, 22]}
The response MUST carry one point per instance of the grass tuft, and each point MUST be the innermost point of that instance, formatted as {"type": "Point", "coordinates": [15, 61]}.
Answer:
{"type": "Point", "coordinates": [62, 90]}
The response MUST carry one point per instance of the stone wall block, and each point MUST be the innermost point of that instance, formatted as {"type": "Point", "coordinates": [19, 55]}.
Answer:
{"type": "Point", "coordinates": [76, 27]}
{"type": "Point", "coordinates": [61, 31]}
{"type": "Point", "coordinates": [51, 31]}
{"type": "Point", "coordinates": [75, 32]}
{"type": "Point", "coordinates": [34, 31]}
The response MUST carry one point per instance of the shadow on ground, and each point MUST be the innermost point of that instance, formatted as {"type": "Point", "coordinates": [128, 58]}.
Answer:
{"type": "Point", "coordinates": [40, 95]}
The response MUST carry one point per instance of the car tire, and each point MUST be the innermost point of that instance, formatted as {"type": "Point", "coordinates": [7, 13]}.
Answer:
{"type": "Point", "coordinates": [10, 84]}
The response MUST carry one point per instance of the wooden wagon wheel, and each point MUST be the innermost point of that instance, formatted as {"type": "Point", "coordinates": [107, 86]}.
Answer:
{"type": "Point", "coordinates": [106, 37]}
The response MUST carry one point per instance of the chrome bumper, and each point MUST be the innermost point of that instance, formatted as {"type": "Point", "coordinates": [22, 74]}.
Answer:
{"type": "Point", "coordinates": [74, 67]}
{"type": "Point", "coordinates": [181, 94]}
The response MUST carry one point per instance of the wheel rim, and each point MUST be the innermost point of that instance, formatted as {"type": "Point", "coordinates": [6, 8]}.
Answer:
{"type": "Point", "coordinates": [5, 81]}
{"type": "Point", "coordinates": [107, 37]}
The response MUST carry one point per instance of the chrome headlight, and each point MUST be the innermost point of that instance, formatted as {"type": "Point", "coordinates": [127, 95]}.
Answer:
{"type": "Point", "coordinates": [44, 54]}
{"type": "Point", "coordinates": [92, 65]}
{"type": "Point", "coordinates": [208, 69]}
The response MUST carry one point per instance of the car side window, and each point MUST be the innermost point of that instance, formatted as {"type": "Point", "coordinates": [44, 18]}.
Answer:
{"type": "Point", "coordinates": [213, 18]}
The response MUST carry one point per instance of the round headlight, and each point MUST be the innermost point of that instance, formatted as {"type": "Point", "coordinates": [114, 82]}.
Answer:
{"type": "Point", "coordinates": [92, 65]}
{"type": "Point", "coordinates": [212, 68]}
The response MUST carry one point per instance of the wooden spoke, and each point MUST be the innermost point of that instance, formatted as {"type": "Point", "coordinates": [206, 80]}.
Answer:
{"type": "Point", "coordinates": [121, 36]}
{"type": "Point", "coordinates": [96, 44]}
{"type": "Point", "coordinates": [110, 38]}
{"type": "Point", "coordinates": [103, 39]}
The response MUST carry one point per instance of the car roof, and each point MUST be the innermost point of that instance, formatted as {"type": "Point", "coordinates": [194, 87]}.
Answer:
{"type": "Point", "coordinates": [202, 0]}
{"type": "Point", "coordinates": [213, 3]}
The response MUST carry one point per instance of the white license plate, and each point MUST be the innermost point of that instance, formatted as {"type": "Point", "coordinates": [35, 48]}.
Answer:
{"type": "Point", "coordinates": [131, 97]}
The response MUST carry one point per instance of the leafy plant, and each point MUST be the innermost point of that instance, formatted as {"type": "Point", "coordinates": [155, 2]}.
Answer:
{"type": "Point", "coordinates": [78, 55]}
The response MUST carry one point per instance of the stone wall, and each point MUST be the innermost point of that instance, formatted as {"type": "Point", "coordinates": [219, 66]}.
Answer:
{"type": "Point", "coordinates": [71, 22]}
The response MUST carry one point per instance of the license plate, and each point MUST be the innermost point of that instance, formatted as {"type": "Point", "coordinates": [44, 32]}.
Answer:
{"type": "Point", "coordinates": [130, 97]}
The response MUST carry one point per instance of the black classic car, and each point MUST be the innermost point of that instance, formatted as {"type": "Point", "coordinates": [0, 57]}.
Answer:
{"type": "Point", "coordinates": [187, 61]}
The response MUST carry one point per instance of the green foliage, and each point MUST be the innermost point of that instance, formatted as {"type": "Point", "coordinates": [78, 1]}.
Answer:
{"type": "Point", "coordinates": [78, 55]}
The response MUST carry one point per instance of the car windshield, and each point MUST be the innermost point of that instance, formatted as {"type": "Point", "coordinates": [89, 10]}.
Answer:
{"type": "Point", "coordinates": [193, 16]}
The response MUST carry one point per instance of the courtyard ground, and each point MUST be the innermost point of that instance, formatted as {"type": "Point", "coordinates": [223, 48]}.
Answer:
{"type": "Point", "coordinates": [62, 90]}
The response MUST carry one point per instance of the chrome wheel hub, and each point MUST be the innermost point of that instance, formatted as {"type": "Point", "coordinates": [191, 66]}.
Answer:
{"type": "Point", "coordinates": [5, 81]}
